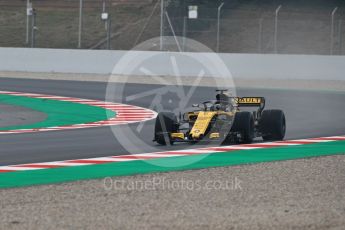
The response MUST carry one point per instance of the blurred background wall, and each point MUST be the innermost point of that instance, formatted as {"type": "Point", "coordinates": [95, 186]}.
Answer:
{"type": "Point", "coordinates": [237, 26]}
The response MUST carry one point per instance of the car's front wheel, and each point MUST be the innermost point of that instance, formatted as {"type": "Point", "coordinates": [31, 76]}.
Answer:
{"type": "Point", "coordinates": [244, 124]}
{"type": "Point", "coordinates": [166, 123]}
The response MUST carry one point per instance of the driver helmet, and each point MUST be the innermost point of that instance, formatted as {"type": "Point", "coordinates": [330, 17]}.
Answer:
{"type": "Point", "coordinates": [217, 106]}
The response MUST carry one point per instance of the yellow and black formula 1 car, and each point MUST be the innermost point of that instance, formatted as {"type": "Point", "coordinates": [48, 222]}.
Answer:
{"type": "Point", "coordinates": [222, 120]}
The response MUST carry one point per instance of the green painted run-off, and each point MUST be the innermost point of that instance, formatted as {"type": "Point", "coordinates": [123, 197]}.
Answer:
{"type": "Point", "coordinates": [58, 175]}
{"type": "Point", "coordinates": [59, 113]}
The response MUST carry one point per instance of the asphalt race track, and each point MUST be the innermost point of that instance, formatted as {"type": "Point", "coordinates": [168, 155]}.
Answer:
{"type": "Point", "coordinates": [17, 115]}
{"type": "Point", "coordinates": [308, 114]}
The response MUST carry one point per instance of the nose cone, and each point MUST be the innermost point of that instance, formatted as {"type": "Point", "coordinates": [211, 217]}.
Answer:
{"type": "Point", "coordinates": [197, 135]}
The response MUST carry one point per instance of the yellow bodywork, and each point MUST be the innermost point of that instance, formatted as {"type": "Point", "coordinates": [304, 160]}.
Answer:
{"type": "Point", "coordinates": [177, 136]}
{"type": "Point", "coordinates": [201, 124]}
{"type": "Point", "coordinates": [214, 135]}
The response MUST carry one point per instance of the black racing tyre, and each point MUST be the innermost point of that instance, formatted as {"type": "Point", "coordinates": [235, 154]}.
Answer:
{"type": "Point", "coordinates": [272, 125]}
{"type": "Point", "coordinates": [244, 124]}
{"type": "Point", "coordinates": [166, 123]}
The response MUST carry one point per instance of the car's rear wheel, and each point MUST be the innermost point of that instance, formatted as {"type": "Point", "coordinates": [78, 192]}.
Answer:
{"type": "Point", "coordinates": [166, 123]}
{"type": "Point", "coordinates": [244, 124]}
{"type": "Point", "coordinates": [272, 125]}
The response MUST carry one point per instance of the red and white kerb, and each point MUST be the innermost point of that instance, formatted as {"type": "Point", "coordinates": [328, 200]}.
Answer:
{"type": "Point", "coordinates": [165, 154]}
{"type": "Point", "coordinates": [125, 114]}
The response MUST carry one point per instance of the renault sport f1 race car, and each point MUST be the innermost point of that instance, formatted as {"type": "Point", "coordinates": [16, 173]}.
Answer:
{"type": "Point", "coordinates": [223, 119]}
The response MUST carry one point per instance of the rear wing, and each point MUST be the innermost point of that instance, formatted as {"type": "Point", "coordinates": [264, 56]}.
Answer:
{"type": "Point", "coordinates": [250, 102]}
